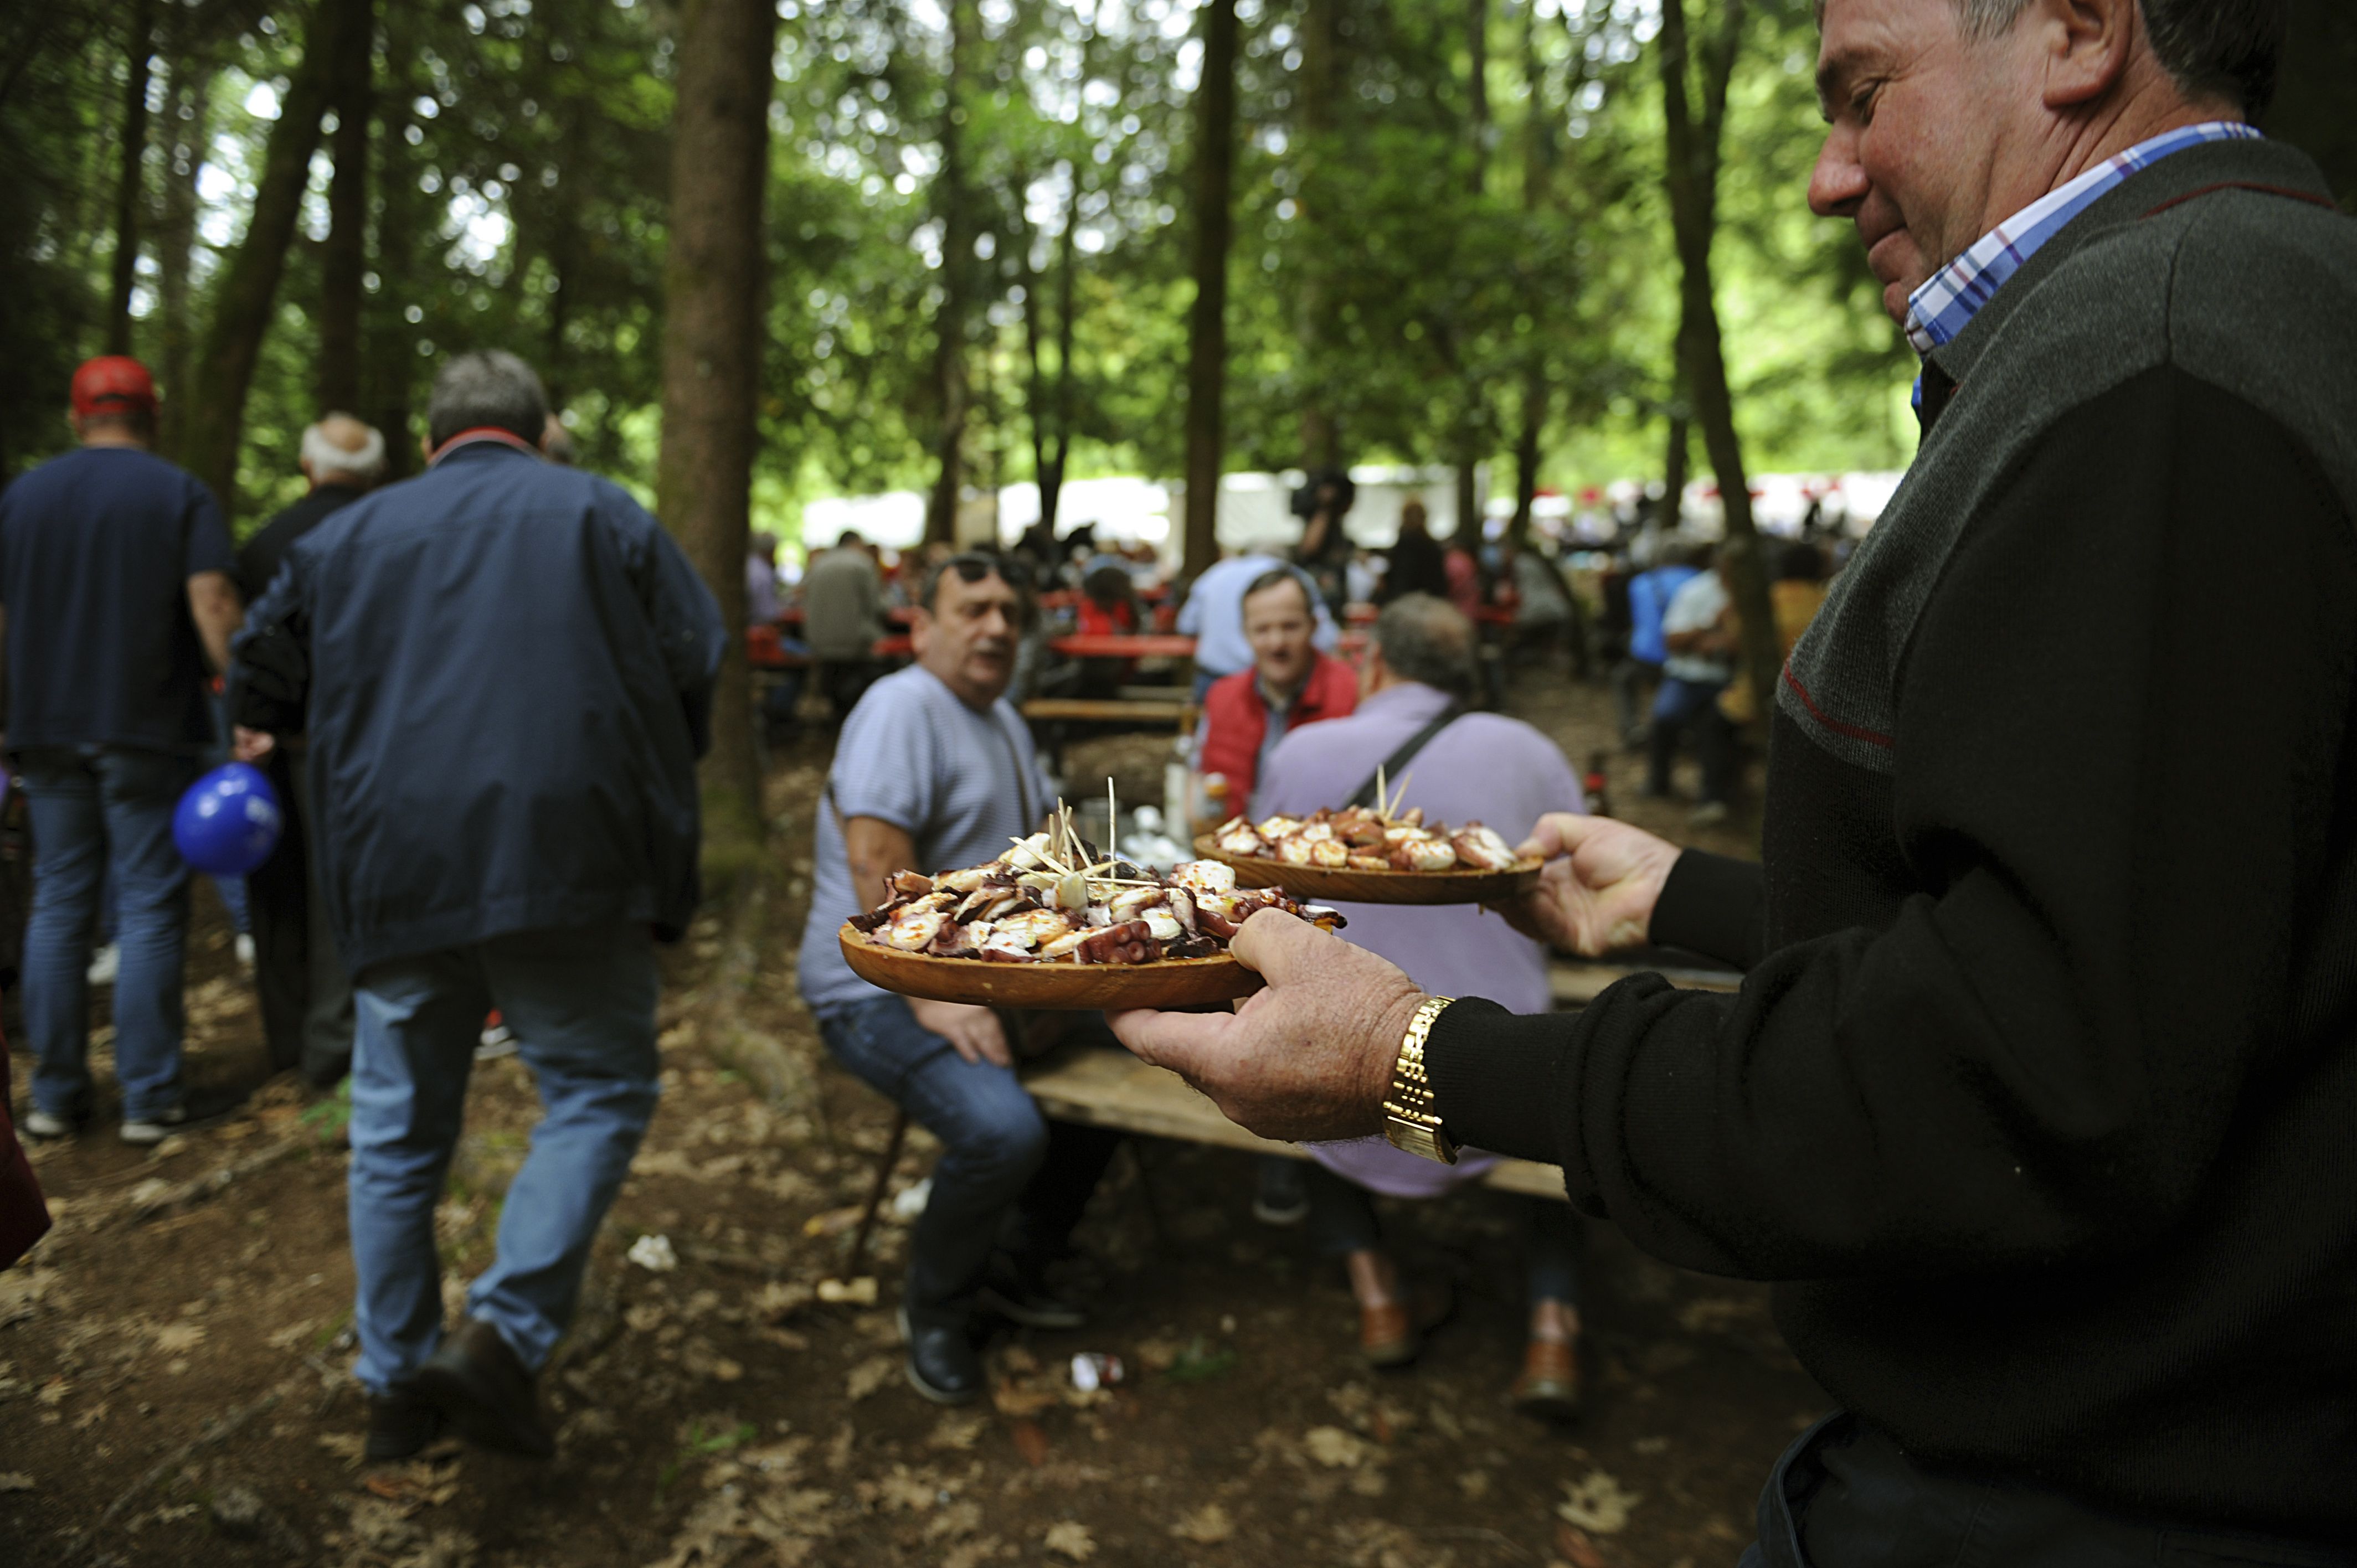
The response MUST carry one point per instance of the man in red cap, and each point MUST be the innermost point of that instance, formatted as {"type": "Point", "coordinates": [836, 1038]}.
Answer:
{"type": "Point", "coordinates": [116, 604]}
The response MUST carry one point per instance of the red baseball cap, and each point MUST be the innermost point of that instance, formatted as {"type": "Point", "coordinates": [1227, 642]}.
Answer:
{"type": "Point", "coordinates": [112, 383]}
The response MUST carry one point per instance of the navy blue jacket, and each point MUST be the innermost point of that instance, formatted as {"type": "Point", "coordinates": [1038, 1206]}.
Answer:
{"type": "Point", "coordinates": [505, 669]}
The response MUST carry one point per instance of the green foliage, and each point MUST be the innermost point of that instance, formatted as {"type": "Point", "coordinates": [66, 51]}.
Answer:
{"type": "Point", "coordinates": [1457, 254]}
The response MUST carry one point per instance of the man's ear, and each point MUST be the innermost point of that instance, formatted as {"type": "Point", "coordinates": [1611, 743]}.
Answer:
{"type": "Point", "coordinates": [2083, 45]}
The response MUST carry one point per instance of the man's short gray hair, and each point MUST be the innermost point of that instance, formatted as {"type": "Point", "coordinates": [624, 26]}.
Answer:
{"type": "Point", "coordinates": [1429, 640]}
{"type": "Point", "coordinates": [491, 389]}
{"type": "Point", "coordinates": [2210, 49]}
{"type": "Point", "coordinates": [326, 460]}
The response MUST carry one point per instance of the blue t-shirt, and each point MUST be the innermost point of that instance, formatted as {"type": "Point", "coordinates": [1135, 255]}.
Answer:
{"type": "Point", "coordinates": [96, 551]}
{"type": "Point", "coordinates": [960, 783]}
{"type": "Point", "coordinates": [1649, 594]}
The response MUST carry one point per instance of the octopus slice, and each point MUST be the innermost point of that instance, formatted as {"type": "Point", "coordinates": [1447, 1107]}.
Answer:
{"type": "Point", "coordinates": [1131, 902]}
{"type": "Point", "coordinates": [1317, 833]}
{"type": "Point", "coordinates": [1372, 863]}
{"type": "Point", "coordinates": [1066, 946]}
{"type": "Point", "coordinates": [912, 883]}
{"type": "Point", "coordinates": [1129, 942]}
{"type": "Point", "coordinates": [1034, 928]}
{"type": "Point", "coordinates": [1424, 853]}
{"type": "Point", "coordinates": [1483, 848]}
{"type": "Point", "coordinates": [1028, 856]}
{"type": "Point", "coordinates": [1238, 838]}
{"type": "Point", "coordinates": [1332, 854]}
{"type": "Point", "coordinates": [1274, 828]}
{"type": "Point", "coordinates": [913, 929]}
{"type": "Point", "coordinates": [1296, 851]}
{"type": "Point", "coordinates": [1162, 925]}
{"type": "Point", "coordinates": [1205, 876]}
{"type": "Point", "coordinates": [968, 880]}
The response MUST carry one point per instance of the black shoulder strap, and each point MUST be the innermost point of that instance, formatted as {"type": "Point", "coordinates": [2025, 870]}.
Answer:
{"type": "Point", "coordinates": [1407, 753]}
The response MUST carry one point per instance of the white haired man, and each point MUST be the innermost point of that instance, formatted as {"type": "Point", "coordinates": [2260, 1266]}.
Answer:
{"type": "Point", "coordinates": [306, 998]}
{"type": "Point", "coordinates": [2035, 1102]}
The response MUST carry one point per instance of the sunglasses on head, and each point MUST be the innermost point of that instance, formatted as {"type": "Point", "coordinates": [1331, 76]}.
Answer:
{"type": "Point", "coordinates": [974, 566]}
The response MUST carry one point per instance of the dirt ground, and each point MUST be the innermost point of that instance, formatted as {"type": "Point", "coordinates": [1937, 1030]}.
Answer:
{"type": "Point", "coordinates": [173, 1360]}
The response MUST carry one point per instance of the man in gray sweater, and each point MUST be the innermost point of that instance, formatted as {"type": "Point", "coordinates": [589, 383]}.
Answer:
{"type": "Point", "coordinates": [2036, 1101]}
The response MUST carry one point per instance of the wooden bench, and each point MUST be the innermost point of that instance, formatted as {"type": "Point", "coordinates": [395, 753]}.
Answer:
{"type": "Point", "coordinates": [1112, 710]}
{"type": "Point", "coordinates": [1114, 1089]}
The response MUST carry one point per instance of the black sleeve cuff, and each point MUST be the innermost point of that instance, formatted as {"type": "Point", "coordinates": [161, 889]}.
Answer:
{"type": "Point", "coordinates": [1493, 1073]}
{"type": "Point", "coordinates": [1714, 905]}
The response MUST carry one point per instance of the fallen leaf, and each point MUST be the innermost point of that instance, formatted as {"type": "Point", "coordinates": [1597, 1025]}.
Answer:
{"type": "Point", "coordinates": [956, 1522]}
{"type": "Point", "coordinates": [970, 1554]}
{"type": "Point", "coordinates": [1474, 1483]}
{"type": "Point", "coordinates": [15, 1481]}
{"type": "Point", "coordinates": [1597, 1503]}
{"type": "Point", "coordinates": [870, 1375]}
{"type": "Point", "coordinates": [1071, 1538]}
{"type": "Point", "coordinates": [1018, 1401]}
{"type": "Point", "coordinates": [1205, 1525]}
{"type": "Point", "coordinates": [174, 1338]}
{"type": "Point", "coordinates": [1333, 1447]}
{"type": "Point", "coordinates": [726, 1370]}
{"type": "Point", "coordinates": [1158, 1355]}
{"type": "Point", "coordinates": [955, 1430]}
{"type": "Point", "coordinates": [348, 1447]}
{"type": "Point", "coordinates": [1579, 1552]}
{"type": "Point", "coordinates": [860, 1292]}
{"type": "Point", "coordinates": [776, 1301]}
{"type": "Point", "coordinates": [1031, 1441]}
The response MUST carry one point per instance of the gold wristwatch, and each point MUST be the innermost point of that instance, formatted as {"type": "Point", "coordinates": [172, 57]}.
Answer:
{"type": "Point", "coordinates": [1410, 1122]}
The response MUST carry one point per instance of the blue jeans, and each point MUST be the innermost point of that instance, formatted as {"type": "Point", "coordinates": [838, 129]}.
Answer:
{"type": "Point", "coordinates": [1844, 1496]}
{"type": "Point", "coordinates": [97, 809]}
{"type": "Point", "coordinates": [1006, 1177]}
{"type": "Point", "coordinates": [582, 1003]}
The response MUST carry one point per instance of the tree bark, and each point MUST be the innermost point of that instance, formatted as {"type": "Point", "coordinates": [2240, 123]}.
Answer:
{"type": "Point", "coordinates": [954, 203]}
{"type": "Point", "coordinates": [1471, 506]}
{"type": "Point", "coordinates": [175, 237]}
{"type": "Point", "coordinates": [1207, 322]}
{"type": "Point", "coordinates": [1692, 175]}
{"type": "Point", "coordinates": [344, 258]}
{"type": "Point", "coordinates": [405, 223]}
{"type": "Point", "coordinates": [1321, 88]}
{"type": "Point", "coordinates": [131, 187]}
{"type": "Point", "coordinates": [712, 364]}
{"type": "Point", "coordinates": [215, 419]}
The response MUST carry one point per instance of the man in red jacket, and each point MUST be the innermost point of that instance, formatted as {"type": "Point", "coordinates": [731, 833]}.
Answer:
{"type": "Point", "coordinates": [1290, 685]}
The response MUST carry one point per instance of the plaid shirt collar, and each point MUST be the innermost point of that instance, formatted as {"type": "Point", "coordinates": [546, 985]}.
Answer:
{"type": "Point", "coordinates": [1954, 295]}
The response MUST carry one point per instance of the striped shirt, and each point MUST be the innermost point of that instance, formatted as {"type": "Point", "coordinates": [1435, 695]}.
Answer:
{"type": "Point", "coordinates": [1939, 309]}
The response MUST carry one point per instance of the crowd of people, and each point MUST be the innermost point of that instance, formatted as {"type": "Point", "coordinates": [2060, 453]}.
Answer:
{"type": "Point", "coordinates": [2033, 1102]}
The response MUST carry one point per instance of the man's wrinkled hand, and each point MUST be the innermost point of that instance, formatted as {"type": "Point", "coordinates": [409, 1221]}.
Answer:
{"type": "Point", "coordinates": [1597, 892]}
{"type": "Point", "coordinates": [974, 1033]}
{"type": "Point", "coordinates": [1311, 1056]}
{"type": "Point", "coordinates": [251, 744]}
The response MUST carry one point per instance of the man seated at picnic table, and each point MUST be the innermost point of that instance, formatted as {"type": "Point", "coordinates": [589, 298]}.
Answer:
{"type": "Point", "coordinates": [1290, 683]}
{"type": "Point", "coordinates": [843, 616]}
{"type": "Point", "coordinates": [1419, 675]}
{"type": "Point", "coordinates": [935, 771]}
{"type": "Point", "coordinates": [1213, 615]}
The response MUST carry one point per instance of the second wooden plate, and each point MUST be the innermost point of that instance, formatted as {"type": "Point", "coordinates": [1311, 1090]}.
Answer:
{"type": "Point", "coordinates": [1083, 987]}
{"type": "Point", "coordinates": [1376, 886]}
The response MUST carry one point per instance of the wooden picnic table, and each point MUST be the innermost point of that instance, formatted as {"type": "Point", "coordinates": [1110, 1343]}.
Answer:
{"type": "Point", "coordinates": [1173, 709]}
{"type": "Point", "coordinates": [1152, 645]}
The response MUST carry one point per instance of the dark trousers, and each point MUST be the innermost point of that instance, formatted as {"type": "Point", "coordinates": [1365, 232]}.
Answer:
{"type": "Point", "coordinates": [306, 998]}
{"type": "Point", "coordinates": [1342, 1220]}
{"type": "Point", "coordinates": [1008, 1179]}
{"type": "Point", "coordinates": [1676, 707]}
{"type": "Point", "coordinates": [1845, 1497]}
{"type": "Point", "coordinates": [1718, 747]}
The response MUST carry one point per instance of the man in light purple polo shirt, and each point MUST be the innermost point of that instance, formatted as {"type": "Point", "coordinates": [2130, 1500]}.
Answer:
{"type": "Point", "coordinates": [1478, 767]}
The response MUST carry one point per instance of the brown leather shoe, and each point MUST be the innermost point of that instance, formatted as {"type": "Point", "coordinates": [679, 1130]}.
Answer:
{"type": "Point", "coordinates": [1393, 1333]}
{"type": "Point", "coordinates": [1549, 1386]}
{"type": "Point", "coordinates": [481, 1386]}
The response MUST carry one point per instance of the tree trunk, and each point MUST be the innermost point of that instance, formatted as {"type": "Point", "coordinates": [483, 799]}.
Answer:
{"type": "Point", "coordinates": [1675, 468]}
{"type": "Point", "coordinates": [131, 187]}
{"type": "Point", "coordinates": [405, 223]}
{"type": "Point", "coordinates": [951, 202]}
{"type": "Point", "coordinates": [344, 258]}
{"type": "Point", "coordinates": [712, 365]}
{"type": "Point", "coordinates": [1472, 507]}
{"type": "Point", "coordinates": [1207, 323]}
{"type": "Point", "coordinates": [175, 239]}
{"type": "Point", "coordinates": [1321, 88]}
{"type": "Point", "coordinates": [215, 421]}
{"type": "Point", "coordinates": [1692, 173]}
{"type": "Point", "coordinates": [1526, 458]}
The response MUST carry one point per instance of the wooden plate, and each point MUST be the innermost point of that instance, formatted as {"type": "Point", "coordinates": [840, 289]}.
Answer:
{"type": "Point", "coordinates": [1170, 983]}
{"type": "Point", "coordinates": [1376, 886]}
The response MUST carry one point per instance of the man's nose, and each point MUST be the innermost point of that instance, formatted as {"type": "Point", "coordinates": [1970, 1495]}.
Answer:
{"type": "Point", "coordinates": [1838, 183]}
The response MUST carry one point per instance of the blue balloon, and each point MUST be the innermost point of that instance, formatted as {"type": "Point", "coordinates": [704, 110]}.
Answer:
{"type": "Point", "coordinates": [228, 823]}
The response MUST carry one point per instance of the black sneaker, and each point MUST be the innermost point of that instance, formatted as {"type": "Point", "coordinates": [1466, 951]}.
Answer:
{"type": "Point", "coordinates": [481, 1388]}
{"type": "Point", "coordinates": [1020, 1296]}
{"type": "Point", "coordinates": [400, 1424]}
{"type": "Point", "coordinates": [943, 1363]}
{"type": "Point", "coordinates": [1283, 1195]}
